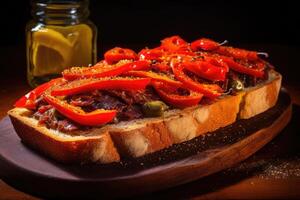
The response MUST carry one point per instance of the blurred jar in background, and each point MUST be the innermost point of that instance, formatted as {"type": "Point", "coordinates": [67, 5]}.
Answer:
{"type": "Point", "coordinates": [59, 36]}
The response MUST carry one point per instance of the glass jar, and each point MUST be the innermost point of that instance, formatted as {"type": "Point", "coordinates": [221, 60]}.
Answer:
{"type": "Point", "coordinates": [59, 36]}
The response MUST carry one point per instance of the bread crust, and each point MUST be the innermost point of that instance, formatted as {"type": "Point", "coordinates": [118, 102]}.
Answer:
{"type": "Point", "coordinates": [143, 136]}
{"type": "Point", "coordinates": [260, 99]}
{"type": "Point", "coordinates": [67, 149]}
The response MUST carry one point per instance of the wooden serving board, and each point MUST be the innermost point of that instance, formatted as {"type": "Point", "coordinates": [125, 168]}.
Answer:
{"type": "Point", "coordinates": [33, 173]}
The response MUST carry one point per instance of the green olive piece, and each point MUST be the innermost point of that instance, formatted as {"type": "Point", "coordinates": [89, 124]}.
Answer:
{"type": "Point", "coordinates": [237, 85]}
{"type": "Point", "coordinates": [154, 108]}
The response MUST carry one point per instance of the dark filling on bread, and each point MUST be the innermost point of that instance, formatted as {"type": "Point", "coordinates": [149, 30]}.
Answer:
{"type": "Point", "coordinates": [129, 103]}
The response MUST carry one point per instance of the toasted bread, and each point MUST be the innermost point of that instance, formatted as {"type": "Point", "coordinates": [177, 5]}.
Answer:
{"type": "Point", "coordinates": [143, 136]}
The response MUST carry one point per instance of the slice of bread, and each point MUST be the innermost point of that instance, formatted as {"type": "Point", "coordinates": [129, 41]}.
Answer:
{"type": "Point", "coordinates": [140, 137]}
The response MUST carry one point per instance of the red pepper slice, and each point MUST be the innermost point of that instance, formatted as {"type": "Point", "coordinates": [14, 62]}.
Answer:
{"type": "Point", "coordinates": [208, 90]}
{"type": "Point", "coordinates": [260, 65]}
{"type": "Point", "coordinates": [76, 114]}
{"type": "Point", "coordinates": [175, 99]}
{"type": "Point", "coordinates": [215, 60]}
{"type": "Point", "coordinates": [185, 53]}
{"type": "Point", "coordinates": [174, 43]}
{"type": "Point", "coordinates": [28, 100]}
{"type": "Point", "coordinates": [103, 70]}
{"type": "Point", "coordinates": [242, 69]}
{"type": "Point", "coordinates": [206, 70]}
{"type": "Point", "coordinates": [204, 44]}
{"type": "Point", "coordinates": [155, 76]}
{"type": "Point", "coordinates": [161, 66]}
{"type": "Point", "coordinates": [238, 53]}
{"type": "Point", "coordinates": [85, 85]}
{"type": "Point", "coordinates": [116, 54]}
{"type": "Point", "coordinates": [210, 45]}
{"type": "Point", "coordinates": [42, 109]}
{"type": "Point", "coordinates": [151, 54]}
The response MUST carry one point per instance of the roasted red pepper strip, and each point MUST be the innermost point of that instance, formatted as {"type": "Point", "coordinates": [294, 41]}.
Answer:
{"type": "Point", "coordinates": [99, 71]}
{"type": "Point", "coordinates": [260, 65]}
{"type": "Point", "coordinates": [204, 44]}
{"type": "Point", "coordinates": [28, 100]}
{"type": "Point", "coordinates": [185, 53]}
{"type": "Point", "coordinates": [206, 70]}
{"type": "Point", "coordinates": [161, 66]}
{"type": "Point", "coordinates": [76, 114]}
{"type": "Point", "coordinates": [154, 76]}
{"type": "Point", "coordinates": [42, 109]}
{"type": "Point", "coordinates": [116, 54]}
{"type": "Point", "coordinates": [241, 68]}
{"type": "Point", "coordinates": [174, 43]}
{"type": "Point", "coordinates": [210, 45]}
{"type": "Point", "coordinates": [215, 60]}
{"type": "Point", "coordinates": [208, 90]}
{"type": "Point", "coordinates": [151, 54]}
{"type": "Point", "coordinates": [175, 99]}
{"type": "Point", "coordinates": [237, 53]}
{"type": "Point", "coordinates": [85, 85]}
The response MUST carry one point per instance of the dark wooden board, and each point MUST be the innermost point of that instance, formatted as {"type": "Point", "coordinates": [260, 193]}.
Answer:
{"type": "Point", "coordinates": [33, 173]}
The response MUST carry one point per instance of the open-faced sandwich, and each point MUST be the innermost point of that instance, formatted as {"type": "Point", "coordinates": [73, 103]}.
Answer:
{"type": "Point", "coordinates": [130, 105]}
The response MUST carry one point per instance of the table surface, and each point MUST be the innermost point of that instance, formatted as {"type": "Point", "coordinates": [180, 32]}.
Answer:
{"type": "Point", "coordinates": [273, 172]}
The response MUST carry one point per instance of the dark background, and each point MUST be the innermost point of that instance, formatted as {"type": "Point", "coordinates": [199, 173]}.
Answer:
{"type": "Point", "coordinates": [271, 26]}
